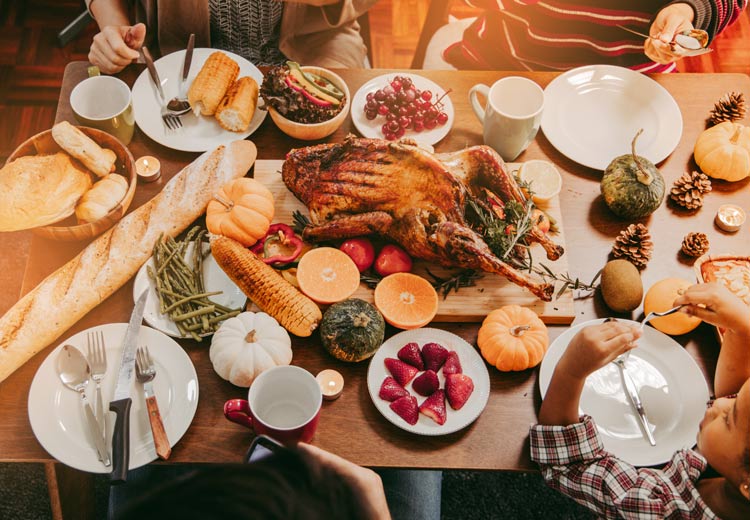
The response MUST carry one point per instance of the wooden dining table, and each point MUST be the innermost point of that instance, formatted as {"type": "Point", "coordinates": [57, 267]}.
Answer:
{"type": "Point", "coordinates": [351, 426]}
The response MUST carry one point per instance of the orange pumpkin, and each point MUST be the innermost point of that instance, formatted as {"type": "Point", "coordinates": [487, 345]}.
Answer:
{"type": "Point", "coordinates": [660, 297]}
{"type": "Point", "coordinates": [513, 338]}
{"type": "Point", "coordinates": [242, 210]}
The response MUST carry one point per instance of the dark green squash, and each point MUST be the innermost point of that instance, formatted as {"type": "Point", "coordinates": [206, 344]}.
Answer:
{"type": "Point", "coordinates": [632, 186]}
{"type": "Point", "coordinates": [352, 330]}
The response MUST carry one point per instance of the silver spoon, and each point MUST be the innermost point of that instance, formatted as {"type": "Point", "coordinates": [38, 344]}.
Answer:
{"type": "Point", "coordinates": [75, 373]}
{"type": "Point", "coordinates": [179, 104]}
{"type": "Point", "coordinates": [694, 41]}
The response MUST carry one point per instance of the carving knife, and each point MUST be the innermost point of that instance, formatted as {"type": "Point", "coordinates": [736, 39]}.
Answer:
{"type": "Point", "coordinates": [121, 401]}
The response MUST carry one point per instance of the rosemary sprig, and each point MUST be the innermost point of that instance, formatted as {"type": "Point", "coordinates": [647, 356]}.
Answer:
{"type": "Point", "coordinates": [568, 282]}
{"type": "Point", "coordinates": [504, 235]}
{"type": "Point", "coordinates": [300, 222]}
{"type": "Point", "coordinates": [463, 278]}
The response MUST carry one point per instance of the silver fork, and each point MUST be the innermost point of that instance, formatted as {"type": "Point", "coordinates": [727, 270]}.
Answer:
{"type": "Point", "coordinates": [97, 357]}
{"type": "Point", "coordinates": [171, 121]}
{"type": "Point", "coordinates": [145, 371]}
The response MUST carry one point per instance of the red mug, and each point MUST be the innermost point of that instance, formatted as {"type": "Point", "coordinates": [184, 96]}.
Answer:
{"type": "Point", "coordinates": [283, 402]}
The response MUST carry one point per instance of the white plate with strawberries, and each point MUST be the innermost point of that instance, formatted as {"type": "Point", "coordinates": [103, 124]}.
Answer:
{"type": "Point", "coordinates": [428, 381]}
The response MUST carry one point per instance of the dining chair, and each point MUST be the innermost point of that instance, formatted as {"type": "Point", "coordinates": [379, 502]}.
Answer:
{"type": "Point", "coordinates": [437, 16]}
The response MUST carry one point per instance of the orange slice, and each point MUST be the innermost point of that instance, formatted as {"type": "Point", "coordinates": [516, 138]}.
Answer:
{"type": "Point", "coordinates": [406, 301]}
{"type": "Point", "coordinates": [327, 275]}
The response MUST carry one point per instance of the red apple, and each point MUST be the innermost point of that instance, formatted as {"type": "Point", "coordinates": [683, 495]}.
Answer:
{"type": "Point", "coordinates": [361, 251]}
{"type": "Point", "coordinates": [392, 259]}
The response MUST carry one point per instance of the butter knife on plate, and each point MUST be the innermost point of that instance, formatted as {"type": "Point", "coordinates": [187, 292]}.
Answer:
{"type": "Point", "coordinates": [120, 403]}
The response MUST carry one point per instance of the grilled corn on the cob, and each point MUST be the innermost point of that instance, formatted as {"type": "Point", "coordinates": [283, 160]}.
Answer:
{"type": "Point", "coordinates": [236, 109]}
{"type": "Point", "coordinates": [212, 83]}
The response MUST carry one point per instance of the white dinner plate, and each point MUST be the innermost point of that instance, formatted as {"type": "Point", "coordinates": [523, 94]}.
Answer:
{"type": "Point", "coordinates": [670, 384]}
{"type": "Point", "coordinates": [592, 113]}
{"type": "Point", "coordinates": [371, 128]}
{"type": "Point", "coordinates": [472, 365]}
{"type": "Point", "coordinates": [214, 279]}
{"type": "Point", "coordinates": [198, 133]}
{"type": "Point", "coordinates": [56, 414]}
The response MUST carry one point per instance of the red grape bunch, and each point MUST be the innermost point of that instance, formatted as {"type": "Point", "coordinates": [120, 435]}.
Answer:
{"type": "Point", "coordinates": [405, 107]}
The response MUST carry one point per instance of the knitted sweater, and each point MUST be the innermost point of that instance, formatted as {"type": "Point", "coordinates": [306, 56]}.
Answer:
{"type": "Point", "coordinates": [559, 34]}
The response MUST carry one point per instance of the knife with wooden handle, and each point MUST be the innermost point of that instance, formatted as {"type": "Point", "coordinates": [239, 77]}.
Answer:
{"type": "Point", "coordinates": [161, 442]}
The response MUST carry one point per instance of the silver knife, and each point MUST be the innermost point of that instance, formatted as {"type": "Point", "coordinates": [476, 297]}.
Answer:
{"type": "Point", "coordinates": [632, 392]}
{"type": "Point", "coordinates": [121, 401]}
{"type": "Point", "coordinates": [186, 65]}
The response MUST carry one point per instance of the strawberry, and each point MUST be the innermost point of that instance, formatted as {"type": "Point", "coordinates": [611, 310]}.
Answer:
{"type": "Point", "coordinates": [406, 408]}
{"type": "Point", "coordinates": [458, 387]}
{"type": "Point", "coordinates": [390, 390]}
{"type": "Point", "coordinates": [434, 407]}
{"type": "Point", "coordinates": [410, 353]}
{"type": "Point", "coordinates": [434, 356]}
{"type": "Point", "coordinates": [452, 364]}
{"type": "Point", "coordinates": [401, 372]}
{"type": "Point", "coordinates": [426, 383]}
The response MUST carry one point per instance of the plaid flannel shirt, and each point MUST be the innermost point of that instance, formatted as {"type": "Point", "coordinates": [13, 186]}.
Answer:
{"type": "Point", "coordinates": [573, 461]}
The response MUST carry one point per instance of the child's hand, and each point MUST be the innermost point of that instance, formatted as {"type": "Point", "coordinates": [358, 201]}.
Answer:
{"type": "Point", "coordinates": [718, 306]}
{"type": "Point", "coordinates": [597, 345]}
{"type": "Point", "coordinates": [667, 23]}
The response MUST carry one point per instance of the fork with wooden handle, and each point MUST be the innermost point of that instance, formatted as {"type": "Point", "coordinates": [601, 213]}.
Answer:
{"type": "Point", "coordinates": [145, 371]}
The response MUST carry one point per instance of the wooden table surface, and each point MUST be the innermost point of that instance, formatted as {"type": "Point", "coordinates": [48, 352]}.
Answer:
{"type": "Point", "coordinates": [351, 426]}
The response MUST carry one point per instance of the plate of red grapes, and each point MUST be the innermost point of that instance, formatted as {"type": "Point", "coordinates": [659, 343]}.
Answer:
{"type": "Point", "coordinates": [396, 106]}
{"type": "Point", "coordinates": [428, 381]}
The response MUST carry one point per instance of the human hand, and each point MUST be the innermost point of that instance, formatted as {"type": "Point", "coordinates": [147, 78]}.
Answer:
{"type": "Point", "coordinates": [597, 345]}
{"type": "Point", "coordinates": [365, 483]}
{"type": "Point", "coordinates": [668, 22]}
{"type": "Point", "coordinates": [115, 47]}
{"type": "Point", "coordinates": [715, 304]}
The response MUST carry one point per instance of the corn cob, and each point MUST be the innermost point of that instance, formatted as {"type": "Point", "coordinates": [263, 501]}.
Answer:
{"type": "Point", "coordinates": [236, 109]}
{"type": "Point", "coordinates": [271, 293]}
{"type": "Point", "coordinates": [212, 82]}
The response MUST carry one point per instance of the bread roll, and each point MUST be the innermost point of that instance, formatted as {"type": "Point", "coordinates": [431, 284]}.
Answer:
{"type": "Point", "coordinates": [212, 82]}
{"type": "Point", "coordinates": [108, 262]}
{"type": "Point", "coordinates": [83, 148]}
{"type": "Point", "coordinates": [36, 190]}
{"type": "Point", "coordinates": [101, 198]}
{"type": "Point", "coordinates": [238, 106]}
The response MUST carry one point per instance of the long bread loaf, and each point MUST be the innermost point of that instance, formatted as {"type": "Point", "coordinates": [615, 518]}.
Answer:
{"type": "Point", "coordinates": [108, 262]}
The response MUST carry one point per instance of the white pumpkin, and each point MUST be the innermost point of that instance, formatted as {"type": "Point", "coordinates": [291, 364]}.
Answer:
{"type": "Point", "coordinates": [248, 344]}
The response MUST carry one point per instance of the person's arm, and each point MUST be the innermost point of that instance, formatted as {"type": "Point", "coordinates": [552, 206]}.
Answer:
{"type": "Point", "coordinates": [116, 46]}
{"type": "Point", "coordinates": [714, 304]}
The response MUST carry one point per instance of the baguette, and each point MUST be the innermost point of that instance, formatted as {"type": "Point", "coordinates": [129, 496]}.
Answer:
{"type": "Point", "coordinates": [108, 262]}
{"type": "Point", "coordinates": [238, 106]}
{"type": "Point", "coordinates": [83, 148]}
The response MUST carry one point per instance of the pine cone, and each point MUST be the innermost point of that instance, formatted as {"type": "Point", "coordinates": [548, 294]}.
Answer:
{"type": "Point", "coordinates": [731, 107]}
{"type": "Point", "coordinates": [695, 244]}
{"type": "Point", "coordinates": [634, 245]}
{"type": "Point", "coordinates": [688, 190]}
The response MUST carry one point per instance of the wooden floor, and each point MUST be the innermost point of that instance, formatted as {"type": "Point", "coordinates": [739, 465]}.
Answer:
{"type": "Point", "coordinates": [31, 69]}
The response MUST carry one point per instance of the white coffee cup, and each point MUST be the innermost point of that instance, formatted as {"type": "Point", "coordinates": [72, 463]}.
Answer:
{"type": "Point", "coordinates": [512, 115]}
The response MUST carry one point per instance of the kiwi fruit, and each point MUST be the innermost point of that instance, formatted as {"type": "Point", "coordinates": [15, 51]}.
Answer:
{"type": "Point", "coordinates": [622, 288]}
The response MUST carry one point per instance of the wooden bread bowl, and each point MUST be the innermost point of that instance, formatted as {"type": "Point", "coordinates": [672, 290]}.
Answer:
{"type": "Point", "coordinates": [68, 230]}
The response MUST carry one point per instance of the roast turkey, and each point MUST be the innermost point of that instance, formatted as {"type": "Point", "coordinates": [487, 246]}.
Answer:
{"type": "Point", "coordinates": [413, 197]}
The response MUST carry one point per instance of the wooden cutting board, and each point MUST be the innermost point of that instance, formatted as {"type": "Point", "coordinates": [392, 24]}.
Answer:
{"type": "Point", "coordinates": [469, 304]}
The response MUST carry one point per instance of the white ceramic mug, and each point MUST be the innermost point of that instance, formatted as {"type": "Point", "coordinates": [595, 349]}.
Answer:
{"type": "Point", "coordinates": [512, 116]}
{"type": "Point", "coordinates": [104, 102]}
{"type": "Point", "coordinates": [283, 402]}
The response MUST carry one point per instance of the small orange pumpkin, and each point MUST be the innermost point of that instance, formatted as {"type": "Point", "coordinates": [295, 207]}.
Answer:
{"type": "Point", "coordinates": [660, 297]}
{"type": "Point", "coordinates": [242, 210]}
{"type": "Point", "coordinates": [513, 338]}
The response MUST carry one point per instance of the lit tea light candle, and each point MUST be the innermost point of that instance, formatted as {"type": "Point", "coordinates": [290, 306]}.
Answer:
{"type": "Point", "coordinates": [148, 168]}
{"type": "Point", "coordinates": [730, 217]}
{"type": "Point", "coordinates": [331, 383]}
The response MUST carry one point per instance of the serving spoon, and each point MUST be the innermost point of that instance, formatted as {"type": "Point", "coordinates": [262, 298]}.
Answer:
{"type": "Point", "coordinates": [74, 372]}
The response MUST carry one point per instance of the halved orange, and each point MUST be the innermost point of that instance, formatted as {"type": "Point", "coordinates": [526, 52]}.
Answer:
{"type": "Point", "coordinates": [327, 275]}
{"type": "Point", "coordinates": [406, 301]}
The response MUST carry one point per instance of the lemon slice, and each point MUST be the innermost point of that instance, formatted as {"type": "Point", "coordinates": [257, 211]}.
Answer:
{"type": "Point", "coordinates": [543, 179]}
